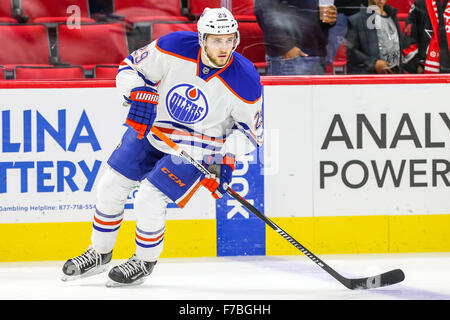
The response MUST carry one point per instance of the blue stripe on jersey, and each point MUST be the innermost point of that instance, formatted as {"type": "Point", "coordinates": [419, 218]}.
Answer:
{"type": "Point", "coordinates": [249, 137]}
{"type": "Point", "coordinates": [183, 43]}
{"type": "Point", "coordinates": [140, 75]}
{"type": "Point", "coordinates": [246, 127]}
{"type": "Point", "coordinates": [127, 99]}
{"type": "Point", "coordinates": [126, 68]}
{"type": "Point", "coordinates": [242, 127]}
{"type": "Point", "coordinates": [130, 57]}
{"type": "Point", "coordinates": [145, 79]}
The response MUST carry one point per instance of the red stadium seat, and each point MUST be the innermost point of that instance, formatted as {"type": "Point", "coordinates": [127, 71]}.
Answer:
{"type": "Point", "coordinates": [92, 44]}
{"type": "Point", "coordinates": [2, 73]}
{"type": "Point", "coordinates": [242, 10]}
{"type": "Point", "coordinates": [143, 10]}
{"type": "Point", "coordinates": [56, 11]}
{"type": "Point", "coordinates": [161, 29]}
{"type": "Point", "coordinates": [340, 60]}
{"type": "Point", "coordinates": [54, 73]}
{"type": "Point", "coordinates": [24, 44]}
{"type": "Point", "coordinates": [7, 20]}
{"type": "Point", "coordinates": [5, 9]}
{"type": "Point", "coordinates": [63, 20]}
{"type": "Point", "coordinates": [403, 6]}
{"type": "Point", "coordinates": [147, 20]}
{"type": "Point", "coordinates": [402, 24]}
{"type": "Point", "coordinates": [402, 16]}
{"type": "Point", "coordinates": [251, 44]}
{"type": "Point", "coordinates": [105, 72]}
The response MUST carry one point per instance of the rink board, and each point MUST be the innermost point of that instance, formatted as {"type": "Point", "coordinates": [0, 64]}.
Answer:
{"type": "Point", "coordinates": [351, 165]}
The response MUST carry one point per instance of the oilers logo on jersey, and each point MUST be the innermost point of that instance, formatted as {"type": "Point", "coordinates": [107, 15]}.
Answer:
{"type": "Point", "coordinates": [187, 103]}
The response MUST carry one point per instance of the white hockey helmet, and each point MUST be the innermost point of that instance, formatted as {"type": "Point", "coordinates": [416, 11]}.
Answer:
{"type": "Point", "coordinates": [217, 21]}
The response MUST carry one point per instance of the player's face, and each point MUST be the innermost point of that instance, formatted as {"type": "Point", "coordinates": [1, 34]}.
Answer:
{"type": "Point", "coordinates": [219, 48]}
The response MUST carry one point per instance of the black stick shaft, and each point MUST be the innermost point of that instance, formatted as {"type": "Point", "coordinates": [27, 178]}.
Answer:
{"type": "Point", "coordinates": [387, 278]}
{"type": "Point", "coordinates": [286, 236]}
{"type": "Point", "coordinates": [271, 224]}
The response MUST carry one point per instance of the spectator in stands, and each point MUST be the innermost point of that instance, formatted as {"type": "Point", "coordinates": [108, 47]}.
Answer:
{"type": "Point", "coordinates": [336, 34]}
{"type": "Point", "coordinates": [294, 35]}
{"type": "Point", "coordinates": [426, 37]}
{"type": "Point", "coordinates": [374, 40]}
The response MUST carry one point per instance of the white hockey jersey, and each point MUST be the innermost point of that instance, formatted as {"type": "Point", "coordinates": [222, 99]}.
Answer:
{"type": "Point", "coordinates": [204, 110]}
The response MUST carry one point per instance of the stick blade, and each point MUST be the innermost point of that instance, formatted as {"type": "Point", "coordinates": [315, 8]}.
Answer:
{"type": "Point", "coordinates": [378, 281]}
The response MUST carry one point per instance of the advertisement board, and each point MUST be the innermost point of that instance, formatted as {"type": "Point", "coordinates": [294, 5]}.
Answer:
{"type": "Point", "coordinates": [349, 165]}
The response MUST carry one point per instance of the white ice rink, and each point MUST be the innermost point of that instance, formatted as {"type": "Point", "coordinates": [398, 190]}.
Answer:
{"type": "Point", "coordinates": [240, 278]}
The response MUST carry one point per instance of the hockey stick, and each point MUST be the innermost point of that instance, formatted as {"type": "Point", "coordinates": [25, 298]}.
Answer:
{"type": "Point", "coordinates": [381, 280]}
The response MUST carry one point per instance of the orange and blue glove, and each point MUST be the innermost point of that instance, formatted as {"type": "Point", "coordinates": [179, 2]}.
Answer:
{"type": "Point", "coordinates": [142, 112]}
{"type": "Point", "coordinates": [221, 170]}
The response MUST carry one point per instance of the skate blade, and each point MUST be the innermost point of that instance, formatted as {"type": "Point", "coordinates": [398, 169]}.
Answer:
{"type": "Point", "coordinates": [114, 284]}
{"type": "Point", "coordinates": [90, 273]}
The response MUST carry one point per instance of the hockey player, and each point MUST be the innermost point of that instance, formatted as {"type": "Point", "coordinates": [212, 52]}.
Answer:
{"type": "Point", "coordinates": [202, 94]}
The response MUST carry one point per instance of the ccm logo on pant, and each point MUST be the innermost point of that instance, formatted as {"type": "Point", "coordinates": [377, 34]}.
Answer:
{"type": "Point", "coordinates": [173, 177]}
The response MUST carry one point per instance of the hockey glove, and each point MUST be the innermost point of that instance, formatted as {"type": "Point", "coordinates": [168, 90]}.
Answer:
{"type": "Point", "coordinates": [221, 171]}
{"type": "Point", "coordinates": [142, 109]}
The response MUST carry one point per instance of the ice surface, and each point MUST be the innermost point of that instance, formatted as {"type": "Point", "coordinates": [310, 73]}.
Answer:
{"type": "Point", "coordinates": [240, 278]}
